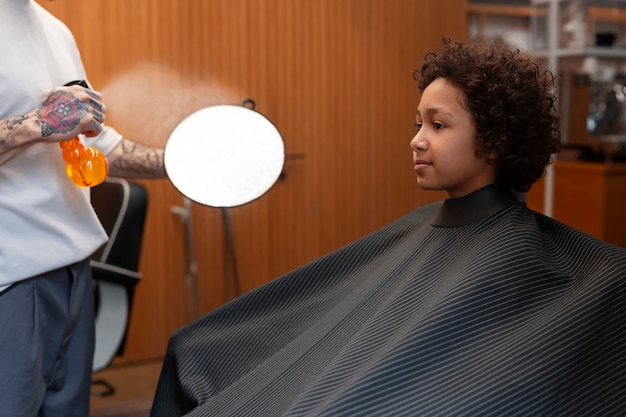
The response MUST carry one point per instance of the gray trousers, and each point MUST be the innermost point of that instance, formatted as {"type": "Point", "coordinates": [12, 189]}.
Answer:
{"type": "Point", "coordinates": [46, 344]}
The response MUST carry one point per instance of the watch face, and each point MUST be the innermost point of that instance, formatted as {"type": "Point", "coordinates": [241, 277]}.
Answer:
{"type": "Point", "coordinates": [224, 155]}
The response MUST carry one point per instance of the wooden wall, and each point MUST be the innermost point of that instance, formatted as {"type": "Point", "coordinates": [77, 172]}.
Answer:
{"type": "Point", "coordinates": [335, 77]}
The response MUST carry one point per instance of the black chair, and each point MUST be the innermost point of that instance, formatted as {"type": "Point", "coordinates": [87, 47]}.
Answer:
{"type": "Point", "coordinates": [121, 206]}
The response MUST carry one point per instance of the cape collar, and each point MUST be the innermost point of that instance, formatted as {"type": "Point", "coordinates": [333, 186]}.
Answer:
{"type": "Point", "coordinates": [455, 212]}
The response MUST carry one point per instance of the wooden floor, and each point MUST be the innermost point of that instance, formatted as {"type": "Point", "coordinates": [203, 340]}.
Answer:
{"type": "Point", "coordinates": [134, 390]}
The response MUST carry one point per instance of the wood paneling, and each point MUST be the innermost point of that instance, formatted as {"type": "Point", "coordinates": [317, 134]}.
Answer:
{"type": "Point", "coordinates": [588, 196]}
{"type": "Point", "coordinates": [335, 76]}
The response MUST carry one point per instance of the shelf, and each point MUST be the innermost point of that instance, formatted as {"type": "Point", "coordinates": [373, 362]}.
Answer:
{"type": "Point", "coordinates": [498, 10]}
{"type": "Point", "coordinates": [492, 20]}
{"type": "Point", "coordinates": [602, 3]}
{"type": "Point", "coordinates": [597, 52]}
{"type": "Point", "coordinates": [575, 25]}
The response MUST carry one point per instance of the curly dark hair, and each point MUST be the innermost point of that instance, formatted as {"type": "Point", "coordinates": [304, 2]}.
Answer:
{"type": "Point", "coordinates": [511, 97]}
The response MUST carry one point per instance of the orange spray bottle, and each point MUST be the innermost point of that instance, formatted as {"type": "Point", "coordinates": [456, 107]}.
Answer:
{"type": "Point", "coordinates": [86, 166]}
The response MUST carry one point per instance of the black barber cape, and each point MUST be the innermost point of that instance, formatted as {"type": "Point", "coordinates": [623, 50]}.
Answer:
{"type": "Point", "coordinates": [475, 306]}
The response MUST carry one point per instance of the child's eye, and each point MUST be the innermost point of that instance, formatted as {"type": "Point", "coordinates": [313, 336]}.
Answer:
{"type": "Point", "coordinates": [418, 126]}
{"type": "Point", "coordinates": [437, 125]}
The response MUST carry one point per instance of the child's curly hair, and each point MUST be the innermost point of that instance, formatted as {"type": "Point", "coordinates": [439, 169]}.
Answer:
{"type": "Point", "coordinates": [511, 97]}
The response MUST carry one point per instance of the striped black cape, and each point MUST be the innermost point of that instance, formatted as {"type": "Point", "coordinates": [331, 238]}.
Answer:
{"type": "Point", "coordinates": [477, 306]}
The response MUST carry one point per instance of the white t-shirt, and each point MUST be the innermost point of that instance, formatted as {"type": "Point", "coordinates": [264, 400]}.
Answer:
{"type": "Point", "coordinates": [46, 222]}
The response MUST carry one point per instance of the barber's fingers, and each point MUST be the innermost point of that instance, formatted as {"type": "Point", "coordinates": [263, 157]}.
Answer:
{"type": "Point", "coordinates": [97, 115]}
{"type": "Point", "coordinates": [88, 96]}
{"type": "Point", "coordinates": [95, 99]}
{"type": "Point", "coordinates": [95, 129]}
{"type": "Point", "coordinates": [96, 108]}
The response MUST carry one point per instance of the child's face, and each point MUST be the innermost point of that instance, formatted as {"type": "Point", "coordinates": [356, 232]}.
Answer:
{"type": "Point", "coordinates": [444, 148]}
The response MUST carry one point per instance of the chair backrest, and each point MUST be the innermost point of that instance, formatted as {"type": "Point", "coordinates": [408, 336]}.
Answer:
{"type": "Point", "coordinates": [121, 206]}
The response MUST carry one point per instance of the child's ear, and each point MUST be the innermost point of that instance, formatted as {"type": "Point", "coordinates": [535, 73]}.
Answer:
{"type": "Point", "coordinates": [494, 155]}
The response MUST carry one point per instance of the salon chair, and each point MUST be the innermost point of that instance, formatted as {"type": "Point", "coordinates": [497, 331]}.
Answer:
{"type": "Point", "coordinates": [121, 206]}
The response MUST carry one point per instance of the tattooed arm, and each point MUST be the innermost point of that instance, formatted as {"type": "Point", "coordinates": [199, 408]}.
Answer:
{"type": "Point", "coordinates": [63, 113]}
{"type": "Point", "coordinates": [15, 134]}
{"type": "Point", "coordinates": [132, 160]}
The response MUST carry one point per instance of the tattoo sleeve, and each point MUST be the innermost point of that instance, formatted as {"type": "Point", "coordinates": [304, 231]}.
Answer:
{"type": "Point", "coordinates": [10, 131]}
{"type": "Point", "coordinates": [138, 161]}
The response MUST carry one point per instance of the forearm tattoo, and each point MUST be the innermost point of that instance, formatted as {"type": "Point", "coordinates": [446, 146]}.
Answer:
{"type": "Point", "coordinates": [8, 131]}
{"type": "Point", "coordinates": [140, 160]}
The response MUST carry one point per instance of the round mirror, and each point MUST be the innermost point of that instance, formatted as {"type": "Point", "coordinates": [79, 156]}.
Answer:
{"type": "Point", "coordinates": [224, 155]}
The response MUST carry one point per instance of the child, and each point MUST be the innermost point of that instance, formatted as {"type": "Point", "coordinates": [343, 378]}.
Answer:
{"type": "Point", "coordinates": [471, 306]}
{"type": "Point", "coordinates": [504, 120]}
